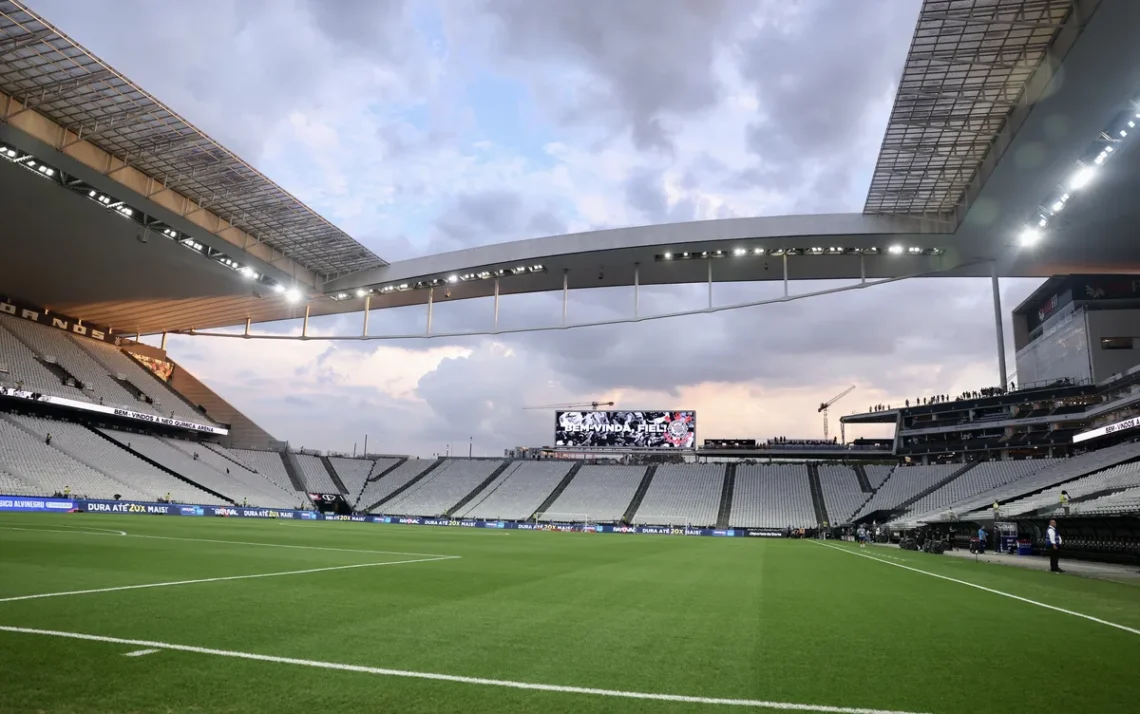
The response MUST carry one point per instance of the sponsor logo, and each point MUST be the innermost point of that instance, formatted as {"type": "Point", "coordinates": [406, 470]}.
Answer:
{"type": "Point", "coordinates": [192, 511]}
{"type": "Point", "coordinates": [226, 512]}
{"type": "Point", "coordinates": [96, 507]}
{"type": "Point", "coordinates": [59, 505]}
{"type": "Point", "coordinates": [308, 516]}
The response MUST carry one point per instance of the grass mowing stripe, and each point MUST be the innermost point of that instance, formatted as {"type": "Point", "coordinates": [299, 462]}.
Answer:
{"type": "Point", "coordinates": [218, 580]}
{"type": "Point", "coordinates": [76, 529]}
{"type": "Point", "coordinates": [239, 542]}
{"type": "Point", "coordinates": [750, 703]}
{"type": "Point", "coordinates": [984, 588]}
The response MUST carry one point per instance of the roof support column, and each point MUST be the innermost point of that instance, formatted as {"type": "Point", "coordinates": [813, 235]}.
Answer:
{"type": "Point", "coordinates": [785, 257]}
{"type": "Point", "coordinates": [163, 346]}
{"type": "Point", "coordinates": [862, 268]}
{"type": "Point", "coordinates": [636, 286]}
{"type": "Point", "coordinates": [496, 304]}
{"type": "Point", "coordinates": [565, 293]}
{"type": "Point", "coordinates": [248, 321]}
{"type": "Point", "coordinates": [367, 306]}
{"type": "Point", "coordinates": [1004, 377]}
{"type": "Point", "coordinates": [710, 283]}
{"type": "Point", "coordinates": [305, 323]}
{"type": "Point", "coordinates": [431, 306]}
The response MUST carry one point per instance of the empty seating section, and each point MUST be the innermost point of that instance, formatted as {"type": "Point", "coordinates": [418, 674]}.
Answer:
{"type": "Point", "coordinates": [113, 359]}
{"type": "Point", "coordinates": [48, 469]}
{"type": "Point", "coordinates": [354, 472]}
{"type": "Point", "coordinates": [184, 464]}
{"type": "Point", "coordinates": [682, 494]}
{"type": "Point", "coordinates": [1121, 476]}
{"type": "Point", "coordinates": [597, 493]}
{"type": "Point", "coordinates": [108, 458]}
{"type": "Point", "coordinates": [517, 492]}
{"type": "Point", "coordinates": [268, 464]}
{"type": "Point", "coordinates": [1127, 501]}
{"type": "Point", "coordinates": [13, 485]}
{"type": "Point", "coordinates": [316, 476]}
{"type": "Point", "coordinates": [1060, 471]}
{"type": "Point", "coordinates": [877, 474]}
{"type": "Point", "coordinates": [983, 477]}
{"type": "Point", "coordinates": [772, 497]}
{"type": "Point", "coordinates": [442, 488]}
{"type": "Point", "coordinates": [23, 367]}
{"type": "Point", "coordinates": [56, 343]}
{"type": "Point", "coordinates": [383, 487]}
{"type": "Point", "coordinates": [259, 490]}
{"type": "Point", "coordinates": [904, 484]}
{"type": "Point", "coordinates": [842, 495]}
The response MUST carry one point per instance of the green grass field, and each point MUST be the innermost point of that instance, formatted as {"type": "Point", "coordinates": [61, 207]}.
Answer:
{"type": "Point", "coordinates": [791, 623]}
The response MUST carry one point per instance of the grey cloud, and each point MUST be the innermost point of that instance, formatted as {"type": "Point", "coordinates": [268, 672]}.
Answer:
{"type": "Point", "coordinates": [650, 61]}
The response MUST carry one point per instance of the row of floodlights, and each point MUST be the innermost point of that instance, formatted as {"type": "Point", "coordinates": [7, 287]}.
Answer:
{"type": "Point", "coordinates": [441, 282]}
{"type": "Point", "coordinates": [779, 252]}
{"type": "Point", "coordinates": [1084, 174]}
{"type": "Point", "coordinates": [120, 207]}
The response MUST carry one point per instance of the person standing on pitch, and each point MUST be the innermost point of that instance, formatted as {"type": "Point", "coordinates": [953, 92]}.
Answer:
{"type": "Point", "coordinates": [1053, 542]}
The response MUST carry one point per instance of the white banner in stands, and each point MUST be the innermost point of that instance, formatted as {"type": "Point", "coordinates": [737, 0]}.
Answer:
{"type": "Point", "coordinates": [1106, 430]}
{"type": "Point", "coordinates": [116, 411]}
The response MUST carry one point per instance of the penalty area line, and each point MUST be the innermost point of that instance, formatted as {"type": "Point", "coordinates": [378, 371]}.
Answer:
{"type": "Point", "coordinates": [1011, 596]}
{"type": "Point", "coordinates": [221, 579]}
{"type": "Point", "coordinates": [505, 683]}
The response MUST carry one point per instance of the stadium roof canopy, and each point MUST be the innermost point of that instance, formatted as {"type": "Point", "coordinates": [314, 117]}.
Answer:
{"type": "Point", "coordinates": [1010, 125]}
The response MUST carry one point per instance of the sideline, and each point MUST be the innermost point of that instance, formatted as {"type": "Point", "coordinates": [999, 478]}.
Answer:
{"type": "Point", "coordinates": [218, 580]}
{"type": "Point", "coordinates": [751, 703]}
{"type": "Point", "coordinates": [984, 588]}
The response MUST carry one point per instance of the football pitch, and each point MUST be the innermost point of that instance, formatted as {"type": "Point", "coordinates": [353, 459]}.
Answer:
{"type": "Point", "coordinates": [131, 614]}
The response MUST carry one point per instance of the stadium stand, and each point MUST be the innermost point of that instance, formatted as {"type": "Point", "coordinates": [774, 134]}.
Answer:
{"type": "Point", "coordinates": [260, 491]}
{"type": "Point", "coordinates": [354, 472]}
{"type": "Point", "coordinates": [772, 497]}
{"type": "Point", "coordinates": [517, 492]}
{"type": "Point", "coordinates": [599, 493]}
{"type": "Point", "coordinates": [314, 473]}
{"type": "Point", "coordinates": [682, 494]}
{"type": "Point", "coordinates": [48, 342]}
{"type": "Point", "coordinates": [1127, 501]}
{"type": "Point", "coordinates": [25, 454]}
{"type": "Point", "coordinates": [269, 465]}
{"type": "Point", "coordinates": [983, 477]}
{"type": "Point", "coordinates": [841, 492]}
{"type": "Point", "coordinates": [877, 474]}
{"type": "Point", "coordinates": [13, 485]}
{"type": "Point", "coordinates": [381, 488]}
{"type": "Point", "coordinates": [442, 488]}
{"type": "Point", "coordinates": [23, 368]}
{"type": "Point", "coordinates": [166, 400]}
{"type": "Point", "coordinates": [1121, 476]}
{"type": "Point", "coordinates": [118, 465]}
{"type": "Point", "coordinates": [904, 484]}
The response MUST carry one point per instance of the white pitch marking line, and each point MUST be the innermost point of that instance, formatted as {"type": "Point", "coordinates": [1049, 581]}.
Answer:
{"type": "Point", "coordinates": [989, 590]}
{"type": "Point", "coordinates": [242, 542]}
{"type": "Point", "coordinates": [751, 703]}
{"type": "Point", "coordinates": [222, 579]}
{"type": "Point", "coordinates": [72, 529]}
{"type": "Point", "coordinates": [140, 653]}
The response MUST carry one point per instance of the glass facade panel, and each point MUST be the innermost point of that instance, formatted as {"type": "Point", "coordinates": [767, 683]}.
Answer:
{"type": "Point", "coordinates": [1061, 351]}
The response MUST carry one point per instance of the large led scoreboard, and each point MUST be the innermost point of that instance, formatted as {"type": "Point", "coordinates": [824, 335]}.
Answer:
{"type": "Point", "coordinates": [626, 430]}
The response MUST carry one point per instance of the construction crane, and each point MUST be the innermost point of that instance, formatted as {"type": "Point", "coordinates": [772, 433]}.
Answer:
{"type": "Point", "coordinates": [592, 405]}
{"type": "Point", "coordinates": [827, 405]}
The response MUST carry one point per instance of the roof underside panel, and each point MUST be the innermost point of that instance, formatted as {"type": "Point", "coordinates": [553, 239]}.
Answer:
{"type": "Point", "coordinates": [967, 67]}
{"type": "Point", "coordinates": [58, 78]}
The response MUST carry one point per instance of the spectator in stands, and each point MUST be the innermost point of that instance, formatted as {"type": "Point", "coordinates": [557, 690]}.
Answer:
{"type": "Point", "coordinates": [1065, 501]}
{"type": "Point", "coordinates": [982, 540]}
{"type": "Point", "coordinates": [47, 439]}
{"type": "Point", "coordinates": [1053, 543]}
{"type": "Point", "coordinates": [67, 491]}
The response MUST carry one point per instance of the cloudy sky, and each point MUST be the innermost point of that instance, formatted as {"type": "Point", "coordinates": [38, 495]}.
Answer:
{"type": "Point", "coordinates": [428, 125]}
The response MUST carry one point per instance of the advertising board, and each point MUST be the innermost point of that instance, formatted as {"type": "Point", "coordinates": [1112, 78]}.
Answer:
{"type": "Point", "coordinates": [666, 430]}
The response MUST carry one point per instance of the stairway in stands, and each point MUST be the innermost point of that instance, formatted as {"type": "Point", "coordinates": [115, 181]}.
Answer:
{"type": "Point", "coordinates": [377, 477]}
{"type": "Point", "coordinates": [864, 482]}
{"type": "Point", "coordinates": [334, 476]}
{"type": "Point", "coordinates": [125, 446]}
{"type": "Point", "coordinates": [419, 477]}
{"type": "Point", "coordinates": [482, 485]}
{"type": "Point", "coordinates": [817, 494]}
{"type": "Point", "coordinates": [293, 469]}
{"type": "Point", "coordinates": [557, 491]}
{"type": "Point", "coordinates": [639, 494]}
{"type": "Point", "coordinates": [725, 511]}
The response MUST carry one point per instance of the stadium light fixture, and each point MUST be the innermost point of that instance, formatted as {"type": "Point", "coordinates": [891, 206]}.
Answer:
{"type": "Point", "coordinates": [249, 273]}
{"type": "Point", "coordinates": [361, 292]}
{"type": "Point", "coordinates": [1081, 178]}
{"type": "Point", "coordinates": [668, 256]}
{"type": "Point", "coordinates": [895, 249]}
{"type": "Point", "coordinates": [1029, 236]}
{"type": "Point", "coordinates": [279, 288]}
{"type": "Point", "coordinates": [757, 251]}
{"type": "Point", "coordinates": [740, 251]}
{"type": "Point", "coordinates": [293, 295]}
